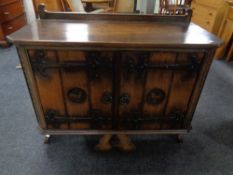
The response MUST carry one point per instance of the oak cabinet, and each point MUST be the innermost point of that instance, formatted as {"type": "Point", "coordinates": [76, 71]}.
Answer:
{"type": "Point", "coordinates": [138, 77]}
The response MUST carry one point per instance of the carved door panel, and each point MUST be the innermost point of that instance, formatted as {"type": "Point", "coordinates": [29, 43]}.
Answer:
{"type": "Point", "coordinates": [72, 86]}
{"type": "Point", "coordinates": [156, 89]}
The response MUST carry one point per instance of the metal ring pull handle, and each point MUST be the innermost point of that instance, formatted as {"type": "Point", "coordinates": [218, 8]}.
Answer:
{"type": "Point", "coordinates": [106, 98]}
{"type": "Point", "coordinates": [155, 96]}
{"type": "Point", "coordinates": [77, 95]}
{"type": "Point", "coordinates": [125, 99]}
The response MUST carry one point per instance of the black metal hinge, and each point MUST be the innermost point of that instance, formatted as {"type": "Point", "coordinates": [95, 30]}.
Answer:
{"type": "Point", "coordinates": [95, 118]}
{"type": "Point", "coordinates": [192, 66]}
{"type": "Point", "coordinates": [136, 119]}
{"type": "Point", "coordinates": [94, 63]}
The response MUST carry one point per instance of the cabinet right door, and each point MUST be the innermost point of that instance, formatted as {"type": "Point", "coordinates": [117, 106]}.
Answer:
{"type": "Point", "coordinates": [155, 89]}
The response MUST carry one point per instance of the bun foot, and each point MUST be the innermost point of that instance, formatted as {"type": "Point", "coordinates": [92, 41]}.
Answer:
{"type": "Point", "coordinates": [125, 144]}
{"type": "Point", "coordinates": [179, 138]}
{"type": "Point", "coordinates": [104, 144]}
{"type": "Point", "coordinates": [47, 139]}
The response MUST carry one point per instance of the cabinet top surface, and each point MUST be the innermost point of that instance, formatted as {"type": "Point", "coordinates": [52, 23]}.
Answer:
{"type": "Point", "coordinates": [113, 34]}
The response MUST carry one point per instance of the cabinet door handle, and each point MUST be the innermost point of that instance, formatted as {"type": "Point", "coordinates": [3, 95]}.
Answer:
{"type": "Point", "coordinates": [125, 99]}
{"type": "Point", "coordinates": [106, 98]}
{"type": "Point", "coordinates": [155, 96]}
{"type": "Point", "coordinates": [6, 13]}
{"type": "Point", "coordinates": [77, 95]}
{"type": "Point", "coordinates": [10, 28]}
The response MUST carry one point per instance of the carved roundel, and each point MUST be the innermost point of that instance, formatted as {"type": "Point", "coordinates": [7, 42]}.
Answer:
{"type": "Point", "coordinates": [155, 96]}
{"type": "Point", "coordinates": [77, 95]}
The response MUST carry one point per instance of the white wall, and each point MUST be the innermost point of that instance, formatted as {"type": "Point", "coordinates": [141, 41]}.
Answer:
{"type": "Point", "coordinates": [148, 6]}
{"type": "Point", "coordinates": [29, 9]}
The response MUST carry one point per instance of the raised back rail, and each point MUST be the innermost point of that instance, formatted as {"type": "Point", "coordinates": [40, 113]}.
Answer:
{"type": "Point", "coordinates": [44, 14]}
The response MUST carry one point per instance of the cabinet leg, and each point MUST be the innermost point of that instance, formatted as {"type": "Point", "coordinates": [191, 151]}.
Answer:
{"type": "Point", "coordinates": [104, 143]}
{"type": "Point", "coordinates": [179, 138]}
{"type": "Point", "coordinates": [125, 144]}
{"type": "Point", "coordinates": [47, 139]}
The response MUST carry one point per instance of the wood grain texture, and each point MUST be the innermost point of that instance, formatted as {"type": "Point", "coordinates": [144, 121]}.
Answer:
{"type": "Point", "coordinates": [74, 79]}
{"type": "Point", "coordinates": [132, 85]}
{"type": "Point", "coordinates": [32, 87]}
{"type": "Point", "coordinates": [159, 79]}
{"type": "Point", "coordinates": [208, 14]}
{"type": "Point", "coordinates": [50, 88]}
{"type": "Point", "coordinates": [54, 5]}
{"type": "Point", "coordinates": [226, 34]}
{"type": "Point", "coordinates": [181, 88]}
{"type": "Point", "coordinates": [120, 34]}
{"type": "Point", "coordinates": [98, 87]}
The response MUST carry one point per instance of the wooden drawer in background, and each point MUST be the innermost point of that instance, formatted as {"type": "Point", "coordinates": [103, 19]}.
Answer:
{"type": "Point", "coordinates": [230, 13]}
{"type": "Point", "coordinates": [213, 3]}
{"type": "Point", "coordinates": [12, 26]}
{"type": "Point", "coordinates": [207, 17]}
{"type": "Point", "coordinates": [207, 13]}
{"type": "Point", "coordinates": [5, 2]}
{"type": "Point", "coordinates": [10, 11]}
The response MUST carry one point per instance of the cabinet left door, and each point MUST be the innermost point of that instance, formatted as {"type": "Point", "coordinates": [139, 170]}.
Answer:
{"type": "Point", "coordinates": [74, 88]}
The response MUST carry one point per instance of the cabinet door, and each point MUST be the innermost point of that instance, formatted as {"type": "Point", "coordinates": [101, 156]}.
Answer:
{"type": "Point", "coordinates": [75, 88]}
{"type": "Point", "coordinates": [155, 89]}
{"type": "Point", "coordinates": [131, 89]}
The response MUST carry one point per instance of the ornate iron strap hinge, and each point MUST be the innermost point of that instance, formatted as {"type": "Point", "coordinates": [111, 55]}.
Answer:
{"type": "Point", "coordinates": [95, 118]}
{"type": "Point", "coordinates": [130, 66]}
{"type": "Point", "coordinates": [94, 63]}
{"type": "Point", "coordinates": [136, 119]}
{"type": "Point", "coordinates": [140, 68]}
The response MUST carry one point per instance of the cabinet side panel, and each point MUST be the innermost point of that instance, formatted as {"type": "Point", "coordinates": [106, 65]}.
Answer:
{"type": "Point", "coordinates": [201, 78]}
{"type": "Point", "coordinates": [32, 87]}
{"type": "Point", "coordinates": [71, 80]}
{"type": "Point", "coordinates": [49, 86]}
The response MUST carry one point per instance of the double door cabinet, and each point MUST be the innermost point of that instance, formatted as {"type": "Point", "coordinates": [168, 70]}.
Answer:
{"type": "Point", "coordinates": [107, 90]}
{"type": "Point", "coordinates": [114, 74]}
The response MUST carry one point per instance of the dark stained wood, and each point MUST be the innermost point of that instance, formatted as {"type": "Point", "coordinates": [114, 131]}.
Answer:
{"type": "Point", "coordinates": [44, 14]}
{"type": "Point", "coordinates": [182, 85]}
{"type": "Point", "coordinates": [54, 5]}
{"type": "Point", "coordinates": [131, 85]}
{"type": "Point", "coordinates": [166, 43]}
{"type": "Point", "coordinates": [71, 80]}
{"type": "Point", "coordinates": [50, 88]}
{"type": "Point", "coordinates": [97, 88]}
{"type": "Point", "coordinates": [159, 79]}
{"type": "Point", "coordinates": [118, 34]}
